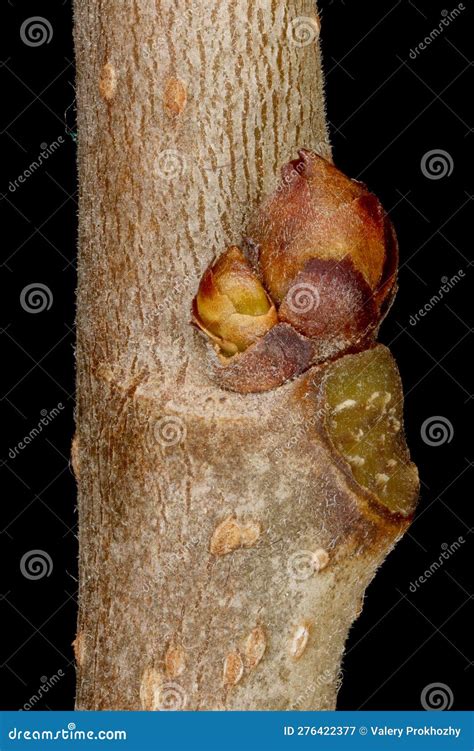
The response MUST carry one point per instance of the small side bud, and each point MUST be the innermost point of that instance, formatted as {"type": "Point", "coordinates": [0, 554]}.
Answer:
{"type": "Point", "coordinates": [231, 305]}
{"type": "Point", "coordinates": [326, 256]}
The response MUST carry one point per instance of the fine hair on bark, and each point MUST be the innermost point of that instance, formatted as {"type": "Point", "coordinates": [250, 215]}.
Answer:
{"type": "Point", "coordinates": [227, 532]}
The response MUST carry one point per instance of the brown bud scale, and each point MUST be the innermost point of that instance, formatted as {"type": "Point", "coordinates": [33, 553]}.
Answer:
{"type": "Point", "coordinates": [321, 277]}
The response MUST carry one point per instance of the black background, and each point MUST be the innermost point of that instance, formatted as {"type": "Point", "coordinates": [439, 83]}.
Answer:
{"type": "Point", "coordinates": [387, 110]}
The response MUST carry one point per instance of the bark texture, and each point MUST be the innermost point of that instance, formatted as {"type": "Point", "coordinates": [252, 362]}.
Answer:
{"type": "Point", "coordinates": [223, 553]}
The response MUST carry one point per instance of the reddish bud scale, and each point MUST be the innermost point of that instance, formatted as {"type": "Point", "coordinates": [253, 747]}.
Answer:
{"type": "Point", "coordinates": [327, 256]}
